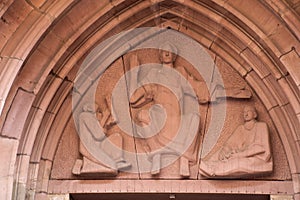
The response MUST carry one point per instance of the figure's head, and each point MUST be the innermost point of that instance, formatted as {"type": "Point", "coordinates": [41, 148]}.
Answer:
{"type": "Point", "coordinates": [167, 53]}
{"type": "Point", "coordinates": [250, 113]}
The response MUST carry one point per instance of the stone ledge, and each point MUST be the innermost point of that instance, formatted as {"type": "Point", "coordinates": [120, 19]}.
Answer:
{"type": "Point", "coordinates": [162, 186]}
{"type": "Point", "coordinates": [281, 197]}
{"type": "Point", "coordinates": [296, 181]}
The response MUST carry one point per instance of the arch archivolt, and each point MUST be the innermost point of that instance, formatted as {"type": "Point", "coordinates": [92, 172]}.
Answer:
{"type": "Point", "coordinates": [249, 44]}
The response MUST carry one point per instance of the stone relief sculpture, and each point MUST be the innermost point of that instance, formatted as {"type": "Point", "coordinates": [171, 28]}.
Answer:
{"type": "Point", "coordinates": [184, 143]}
{"type": "Point", "coordinates": [246, 152]}
{"type": "Point", "coordinates": [156, 94]}
{"type": "Point", "coordinates": [107, 118]}
{"type": "Point", "coordinates": [110, 147]}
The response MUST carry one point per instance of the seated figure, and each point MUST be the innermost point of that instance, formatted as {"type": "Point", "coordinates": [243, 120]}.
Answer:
{"type": "Point", "coordinates": [245, 153]}
{"type": "Point", "coordinates": [107, 158]}
{"type": "Point", "coordinates": [172, 139]}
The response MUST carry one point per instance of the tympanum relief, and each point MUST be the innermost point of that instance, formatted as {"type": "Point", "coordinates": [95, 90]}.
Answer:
{"type": "Point", "coordinates": [167, 109]}
{"type": "Point", "coordinates": [166, 123]}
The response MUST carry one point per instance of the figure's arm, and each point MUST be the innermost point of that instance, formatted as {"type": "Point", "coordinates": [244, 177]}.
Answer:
{"type": "Point", "coordinates": [230, 146]}
{"type": "Point", "coordinates": [198, 86]}
{"type": "Point", "coordinates": [93, 127]}
{"type": "Point", "coordinates": [225, 153]}
{"type": "Point", "coordinates": [261, 145]}
{"type": "Point", "coordinates": [252, 150]}
{"type": "Point", "coordinates": [182, 70]}
{"type": "Point", "coordinates": [142, 96]}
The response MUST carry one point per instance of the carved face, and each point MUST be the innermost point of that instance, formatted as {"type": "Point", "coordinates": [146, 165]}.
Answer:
{"type": "Point", "coordinates": [167, 57]}
{"type": "Point", "coordinates": [249, 113]}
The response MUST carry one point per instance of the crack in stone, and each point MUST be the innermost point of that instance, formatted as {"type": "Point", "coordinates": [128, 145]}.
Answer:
{"type": "Point", "coordinates": [52, 18]}
{"type": "Point", "coordinates": [212, 43]}
{"type": "Point", "coordinates": [34, 7]}
{"type": "Point", "coordinates": [298, 54]}
{"type": "Point", "coordinates": [274, 31]}
{"type": "Point", "coordinates": [11, 57]}
{"type": "Point", "coordinates": [23, 154]}
{"type": "Point", "coordinates": [49, 112]}
{"type": "Point", "coordinates": [69, 80]}
{"type": "Point", "coordinates": [241, 52]}
{"type": "Point", "coordinates": [248, 72]}
{"type": "Point", "coordinates": [36, 107]}
{"type": "Point", "coordinates": [25, 90]}
{"type": "Point", "coordinates": [7, 137]}
{"type": "Point", "coordinates": [292, 49]}
{"type": "Point", "coordinates": [55, 75]}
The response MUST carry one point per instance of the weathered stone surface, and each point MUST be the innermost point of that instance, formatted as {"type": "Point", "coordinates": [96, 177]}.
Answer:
{"type": "Point", "coordinates": [264, 22]}
{"type": "Point", "coordinates": [32, 177]}
{"type": "Point", "coordinates": [24, 37]}
{"type": "Point", "coordinates": [17, 115]}
{"type": "Point", "coordinates": [287, 140]}
{"type": "Point", "coordinates": [12, 18]}
{"type": "Point", "coordinates": [276, 90]}
{"type": "Point", "coordinates": [48, 90]}
{"type": "Point", "coordinates": [43, 176]}
{"type": "Point", "coordinates": [290, 94]}
{"type": "Point", "coordinates": [262, 91]}
{"type": "Point", "coordinates": [8, 149]}
{"type": "Point", "coordinates": [42, 130]}
{"type": "Point", "coordinates": [166, 186]}
{"type": "Point", "coordinates": [292, 63]}
{"type": "Point", "coordinates": [54, 9]}
{"type": "Point", "coordinates": [60, 29]}
{"type": "Point", "coordinates": [274, 66]}
{"type": "Point", "coordinates": [4, 6]}
{"type": "Point", "coordinates": [39, 196]}
{"type": "Point", "coordinates": [53, 134]}
{"type": "Point", "coordinates": [51, 44]}
{"type": "Point", "coordinates": [257, 64]}
{"type": "Point", "coordinates": [78, 14]}
{"type": "Point", "coordinates": [28, 138]}
{"type": "Point", "coordinates": [22, 166]}
{"type": "Point", "coordinates": [32, 81]}
{"type": "Point", "coordinates": [240, 65]}
{"type": "Point", "coordinates": [7, 75]}
{"type": "Point", "coordinates": [271, 29]}
{"type": "Point", "coordinates": [59, 97]}
{"type": "Point", "coordinates": [36, 3]}
{"type": "Point", "coordinates": [16, 13]}
{"type": "Point", "coordinates": [58, 197]}
{"type": "Point", "coordinates": [296, 182]}
{"type": "Point", "coordinates": [283, 39]}
{"type": "Point", "coordinates": [282, 197]}
{"type": "Point", "coordinates": [292, 119]}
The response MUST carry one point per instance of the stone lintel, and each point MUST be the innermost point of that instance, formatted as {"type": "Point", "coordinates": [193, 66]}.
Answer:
{"type": "Point", "coordinates": [167, 186]}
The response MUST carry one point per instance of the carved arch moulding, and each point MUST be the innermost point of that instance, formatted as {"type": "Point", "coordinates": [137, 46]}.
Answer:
{"type": "Point", "coordinates": [171, 136]}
